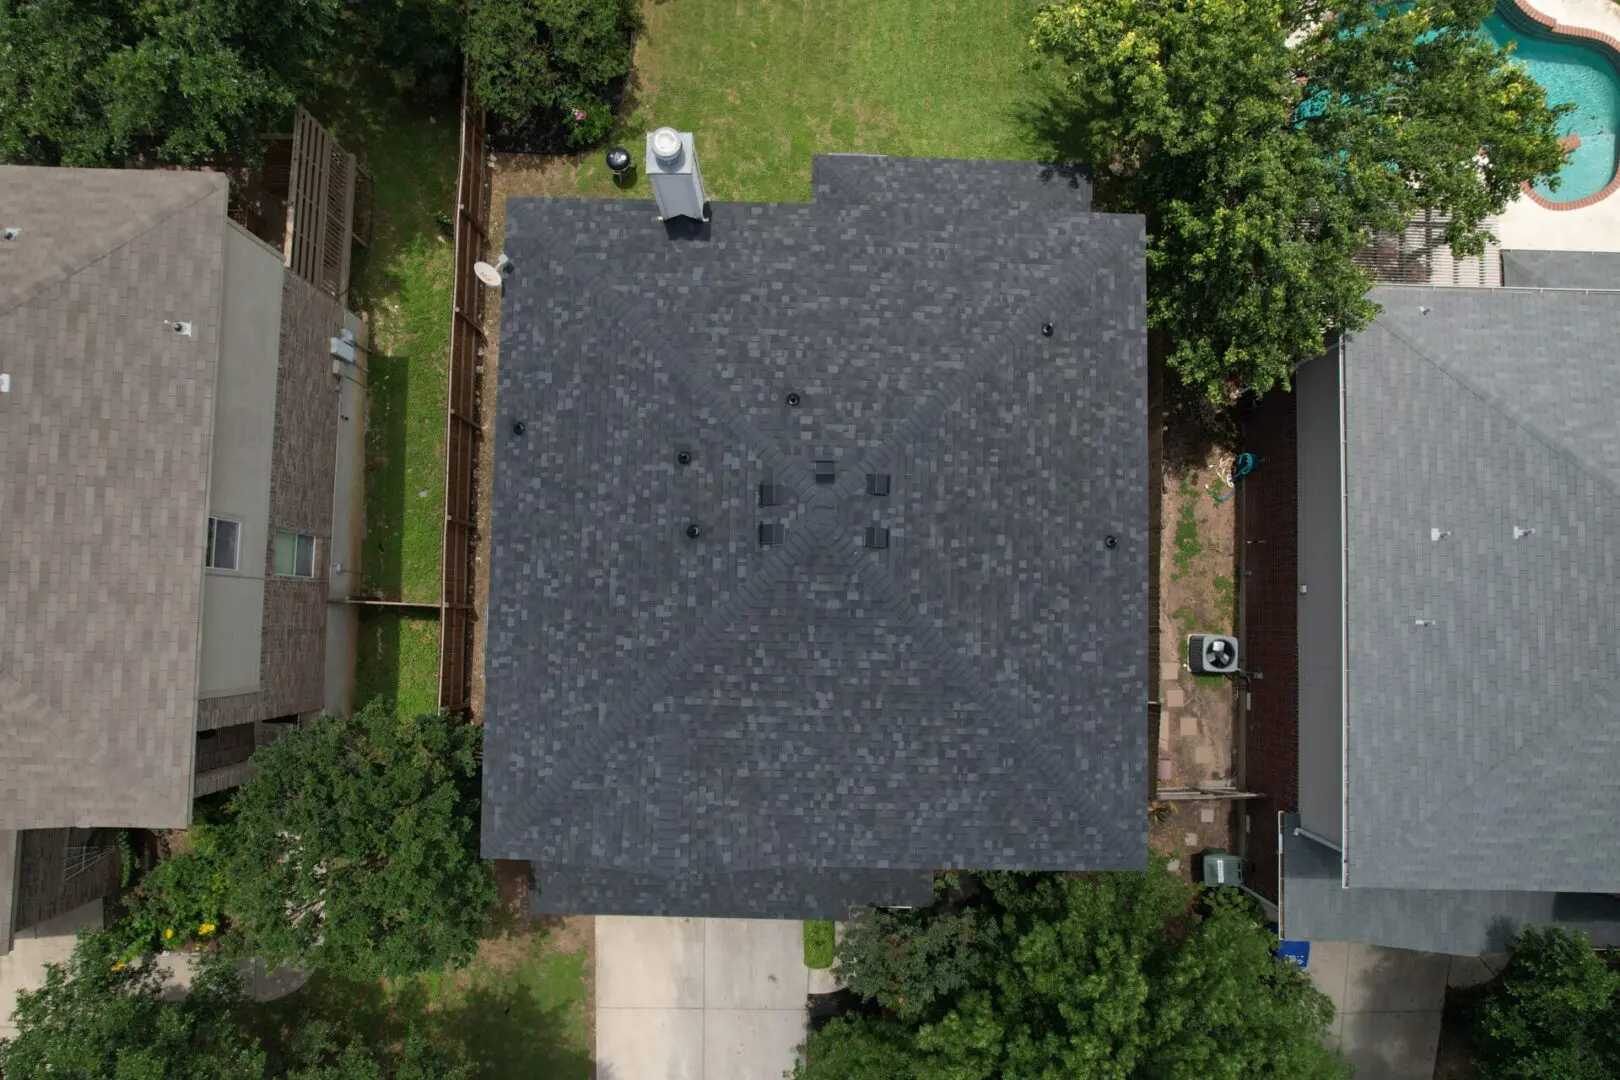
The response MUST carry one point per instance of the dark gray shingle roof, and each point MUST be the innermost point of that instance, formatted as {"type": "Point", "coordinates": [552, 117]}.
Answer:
{"type": "Point", "coordinates": [1482, 750]}
{"type": "Point", "coordinates": [1460, 922]}
{"type": "Point", "coordinates": [696, 726]}
{"type": "Point", "coordinates": [1561, 269]}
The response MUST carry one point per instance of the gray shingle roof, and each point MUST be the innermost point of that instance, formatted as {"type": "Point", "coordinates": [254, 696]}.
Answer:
{"type": "Point", "coordinates": [1561, 269]}
{"type": "Point", "coordinates": [711, 726]}
{"type": "Point", "coordinates": [1460, 922]}
{"type": "Point", "coordinates": [1482, 750]}
{"type": "Point", "coordinates": [104, 457]}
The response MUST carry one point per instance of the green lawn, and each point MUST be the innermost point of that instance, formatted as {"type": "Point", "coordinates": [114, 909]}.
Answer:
{"type": "Point", "coordinates": [397, 658]}
{"type": "Point", "coordinates": [402, 282]}
{"type": "Point", "coordinates": [766, 84]}
{"type": "Point", "coordinates": [518, 1011]}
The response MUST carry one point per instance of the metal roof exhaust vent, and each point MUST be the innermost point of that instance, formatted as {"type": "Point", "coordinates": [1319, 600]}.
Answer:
{"type": "Point", "coordinates": [672, 167]}
{"type": "Point", "coordinates": [877, 483]}
{"type": "Point", "coordinates": [826, 471]}
{"type": "Point", "coordinates": [770, 495]}
{"type": "Point", "coordinates": [771, 533]}
{"type": "Point", "coordinates": [877, 537]}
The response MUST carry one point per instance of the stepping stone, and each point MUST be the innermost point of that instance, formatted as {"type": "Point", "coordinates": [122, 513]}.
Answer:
{"type": "Point", "coordinates": [1170, 672]}
{"type": "Point", "coordinates": [1207, 815]}
{"type": "Point", "coordinates": [1174, 697]}
{"type": "Point", "coordinates": [1204, 755]}
{"type": "Point", "coordinates": [1191, 839]}
{"type": "Point", "coordinates": [1189, 726]}
{"type": "Point", "coordinates": [1173, 865]}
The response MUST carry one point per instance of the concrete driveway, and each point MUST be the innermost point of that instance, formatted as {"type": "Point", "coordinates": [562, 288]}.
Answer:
{"type": "Point", "coordinates": [1387, 1005]}
{"type": "Point", "coordinates": [699, 999]}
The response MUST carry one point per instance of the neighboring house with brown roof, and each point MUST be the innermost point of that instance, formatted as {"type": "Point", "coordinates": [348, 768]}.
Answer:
{"type": "Point", "coordinates": [178, 463]}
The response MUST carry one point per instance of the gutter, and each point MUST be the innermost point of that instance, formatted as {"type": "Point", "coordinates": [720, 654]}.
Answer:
{"type": "Point", "coordinates": [1344, 632]}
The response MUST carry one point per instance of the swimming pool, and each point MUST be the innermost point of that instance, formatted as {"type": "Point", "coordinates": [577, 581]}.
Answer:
{"type": "Point", "coordinates": [1571, 70]}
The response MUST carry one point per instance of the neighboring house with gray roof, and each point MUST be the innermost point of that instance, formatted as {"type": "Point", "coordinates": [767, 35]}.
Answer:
{"type": "Point", "coordinates": [1458, 568]}
{"type": "Point", "coordinates": [176, 480]}
{"type": "Point", "coordinates": [820, 543]}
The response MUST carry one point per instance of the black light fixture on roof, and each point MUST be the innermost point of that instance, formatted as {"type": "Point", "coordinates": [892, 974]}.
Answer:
{"type": "Point", "coordinates": [793, 399]}
{"type": "Point", "coordinates": [1046, 330]}
{"type": "Point", "coordinates": [683, 457]}
{"type": "Point", "coordinates": [519, 428]}
{"type": "Point", "coordinates": [1111, 541]}
{"type": "Point", "coordinates": [693, 531]}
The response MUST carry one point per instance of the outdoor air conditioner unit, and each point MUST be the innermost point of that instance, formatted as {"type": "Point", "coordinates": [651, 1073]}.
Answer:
{"type": "Point", "coordinates": [1220, 867]}
{"type": "Point", "coordinates": [672, 167]}
{"type": "Point", "coordinates": [1212, 654]}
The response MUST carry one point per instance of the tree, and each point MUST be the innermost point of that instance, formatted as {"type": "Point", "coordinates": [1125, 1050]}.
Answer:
{"type": "Point", "coordinates": [1109, 976]}
{"type": "Point", "coordinates": [355, 846]}
{"type": "Point", "coordinates": [1266, 139]}
{"type": "Point", "coordinates": [1554, 1014]}
{"type": "Point", "coordinates": [551, 63]}
{"type": "Point", "coordinates": [101, 82]}
{"type": "Point", "coordinates": [98, 1017]}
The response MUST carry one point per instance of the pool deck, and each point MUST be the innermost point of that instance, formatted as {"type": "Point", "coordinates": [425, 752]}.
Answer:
{"type": "Point", "coordinates": [1525, 224]}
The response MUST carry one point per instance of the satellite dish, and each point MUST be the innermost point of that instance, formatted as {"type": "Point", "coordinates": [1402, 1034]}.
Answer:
{"type": "Point", "coordinates": [487, 274]}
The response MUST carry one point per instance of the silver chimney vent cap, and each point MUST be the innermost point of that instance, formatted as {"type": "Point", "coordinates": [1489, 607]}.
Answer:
{"type": "Point", "coordinates": [666, 147]}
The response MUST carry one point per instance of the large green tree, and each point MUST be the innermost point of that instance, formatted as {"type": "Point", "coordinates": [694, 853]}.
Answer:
{"type": "Point", "coordinates": [1125, 976]}
{"type": "Point", "coordinates": [355, 846]}
{"type": "Point", "coordinates": [1554, 1014]}
{"type": "Point", "coordinates": [104, 82]}
{"type": "Point", "coordinates": [1266, 139]}
{"type": "Point", "coordinates": [98, 1018]}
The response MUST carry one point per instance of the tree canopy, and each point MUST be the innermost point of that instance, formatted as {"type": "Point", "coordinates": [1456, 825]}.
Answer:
{"type": "Point", "coordinates": [1554, 1014]}
{"type": "Point", "coordinates": [1122, 976]}
{"type": "Point", "coordinates": [102, 82]}
{"type": "Point", "coordinates": [98, 1018]}
{"type": "Point", "coordinates": [1266, 139]}
{"type": "Point", "coordinates": [355, 846]}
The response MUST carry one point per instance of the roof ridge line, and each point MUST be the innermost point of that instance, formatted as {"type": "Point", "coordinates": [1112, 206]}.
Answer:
{"type": "Point", "coordinates": [1500, 406]}
{"type": "Point", "coordinates": [121, 239]}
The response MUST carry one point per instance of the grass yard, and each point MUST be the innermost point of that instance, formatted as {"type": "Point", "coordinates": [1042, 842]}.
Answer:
{"type": "Point", "coordinates": [766, 84]}
{"type": "Point", "coordinates": [402, 282]}
{"type": "Point", "coordinates": [520, 1010]}
{"type": "Point", "coordinates": [397, 658]}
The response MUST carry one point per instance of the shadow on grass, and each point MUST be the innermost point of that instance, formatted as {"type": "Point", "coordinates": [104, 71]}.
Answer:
{"type": "Point", "coordinates": [505, 1028]}
{"type": "Point", "coordinates": [389, 392]}
{"type": "Point", "coordinates": [397, 659]}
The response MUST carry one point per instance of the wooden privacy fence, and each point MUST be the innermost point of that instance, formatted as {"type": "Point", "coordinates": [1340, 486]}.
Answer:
{"type": "Point", "coordinates": [461, 433]}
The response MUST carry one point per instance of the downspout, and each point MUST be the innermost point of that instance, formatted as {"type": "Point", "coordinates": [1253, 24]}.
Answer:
{"type": "Point", "coordinates": [1344, 629]}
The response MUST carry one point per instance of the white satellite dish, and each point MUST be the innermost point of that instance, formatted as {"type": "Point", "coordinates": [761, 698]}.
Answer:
{"type": "Point", "coordinates": [491, 275]}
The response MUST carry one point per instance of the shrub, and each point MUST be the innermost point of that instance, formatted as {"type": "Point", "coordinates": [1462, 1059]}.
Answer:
{"type": "Point", "coordinates": [183, 900]}
{"type": "Point", "coordinates": [818, 943]}
{"type": "Point", "coordinates": [1553, 1015]}
{"type": "Point", "coordinates": [551, 63]}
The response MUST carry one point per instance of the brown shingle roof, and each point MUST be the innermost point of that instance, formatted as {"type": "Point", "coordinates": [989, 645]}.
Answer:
{"type": "Point", "coordinates": [104, 457]}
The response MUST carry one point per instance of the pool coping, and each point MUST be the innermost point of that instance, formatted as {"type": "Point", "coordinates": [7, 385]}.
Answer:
{"type": "Point", "coordinates": [1549, 23]}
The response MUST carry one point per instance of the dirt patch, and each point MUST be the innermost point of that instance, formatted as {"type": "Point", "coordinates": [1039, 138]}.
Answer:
{"type": "Point", "coordinates": [1197, 728]}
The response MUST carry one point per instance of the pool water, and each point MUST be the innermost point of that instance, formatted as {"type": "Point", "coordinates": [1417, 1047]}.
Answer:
{"type": "Point", "coordinates": [1571, 70]}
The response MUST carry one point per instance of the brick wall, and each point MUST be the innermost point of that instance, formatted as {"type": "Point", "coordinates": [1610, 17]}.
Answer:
{"type": "Point", "coordinates": [1268, 515]}
{"type": "Point", "coordinates": [292, 660]}
{"type": "Point", "coordinates": [224, 746]}
{"type": "Point", "coordinates": [41, 892]}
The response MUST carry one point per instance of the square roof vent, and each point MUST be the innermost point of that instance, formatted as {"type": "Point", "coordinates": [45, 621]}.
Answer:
{"type": "Point", "coordinates": [877, 537]}
{"type": "Point", "coordinates": [770, 495]}
{"type": "Point", "coordinates": [877, 483]}
{"type": "Point", "coordinates": [771, 533]}
{"type": "Point", "coordinates": [826, 471]}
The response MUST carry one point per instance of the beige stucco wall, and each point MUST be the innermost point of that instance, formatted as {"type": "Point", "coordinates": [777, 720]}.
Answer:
{"type": "Point", "coordinates": [239, 485]}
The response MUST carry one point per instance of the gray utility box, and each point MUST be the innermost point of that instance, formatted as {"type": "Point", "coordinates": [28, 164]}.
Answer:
{"type": "Point", "coordinates": [1221, 867]}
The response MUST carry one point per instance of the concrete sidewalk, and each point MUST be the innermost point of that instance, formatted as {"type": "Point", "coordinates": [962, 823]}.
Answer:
{"type": "Point", "coordinates": [699, 999]}
{"type": "Point", "coordinates": [51, 942]}
{"type": "Point", "coordinates": [1387, 1005]}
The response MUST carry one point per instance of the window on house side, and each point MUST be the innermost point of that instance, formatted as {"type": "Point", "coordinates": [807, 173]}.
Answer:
{"type": "Point", "coordinates": [295, 554]}
{"type": "Point", "coordinates": [224, 542]}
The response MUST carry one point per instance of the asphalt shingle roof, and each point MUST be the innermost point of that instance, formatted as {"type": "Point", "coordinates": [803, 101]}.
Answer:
{"type": "Point", "coordinates": [1459, 922]}
{"type": "Point", "coordinates": [1482, 749]}
{"type": "Point", "coordinates": [712, 726]}
{"type": "Point", "coordinates": [104, 458]}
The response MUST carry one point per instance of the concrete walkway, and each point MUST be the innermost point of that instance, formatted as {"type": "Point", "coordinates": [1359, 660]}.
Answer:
{"type": "Point", "coordinates": [51, 942]}
{"type": "Point", "coordinates": [700, 999]}
{"type": "Point", "coordinates": [1387, 1005]}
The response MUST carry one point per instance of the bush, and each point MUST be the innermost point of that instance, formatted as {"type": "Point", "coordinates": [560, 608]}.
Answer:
{"type": "Point", "coordinates": [1553, 1015]}
{"type": "Point", "coordinates": [818, 943]}
{"type": "Point", "coordinates": [551, 64]}
{"type": "Point", "coordinates": [183, 900]}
